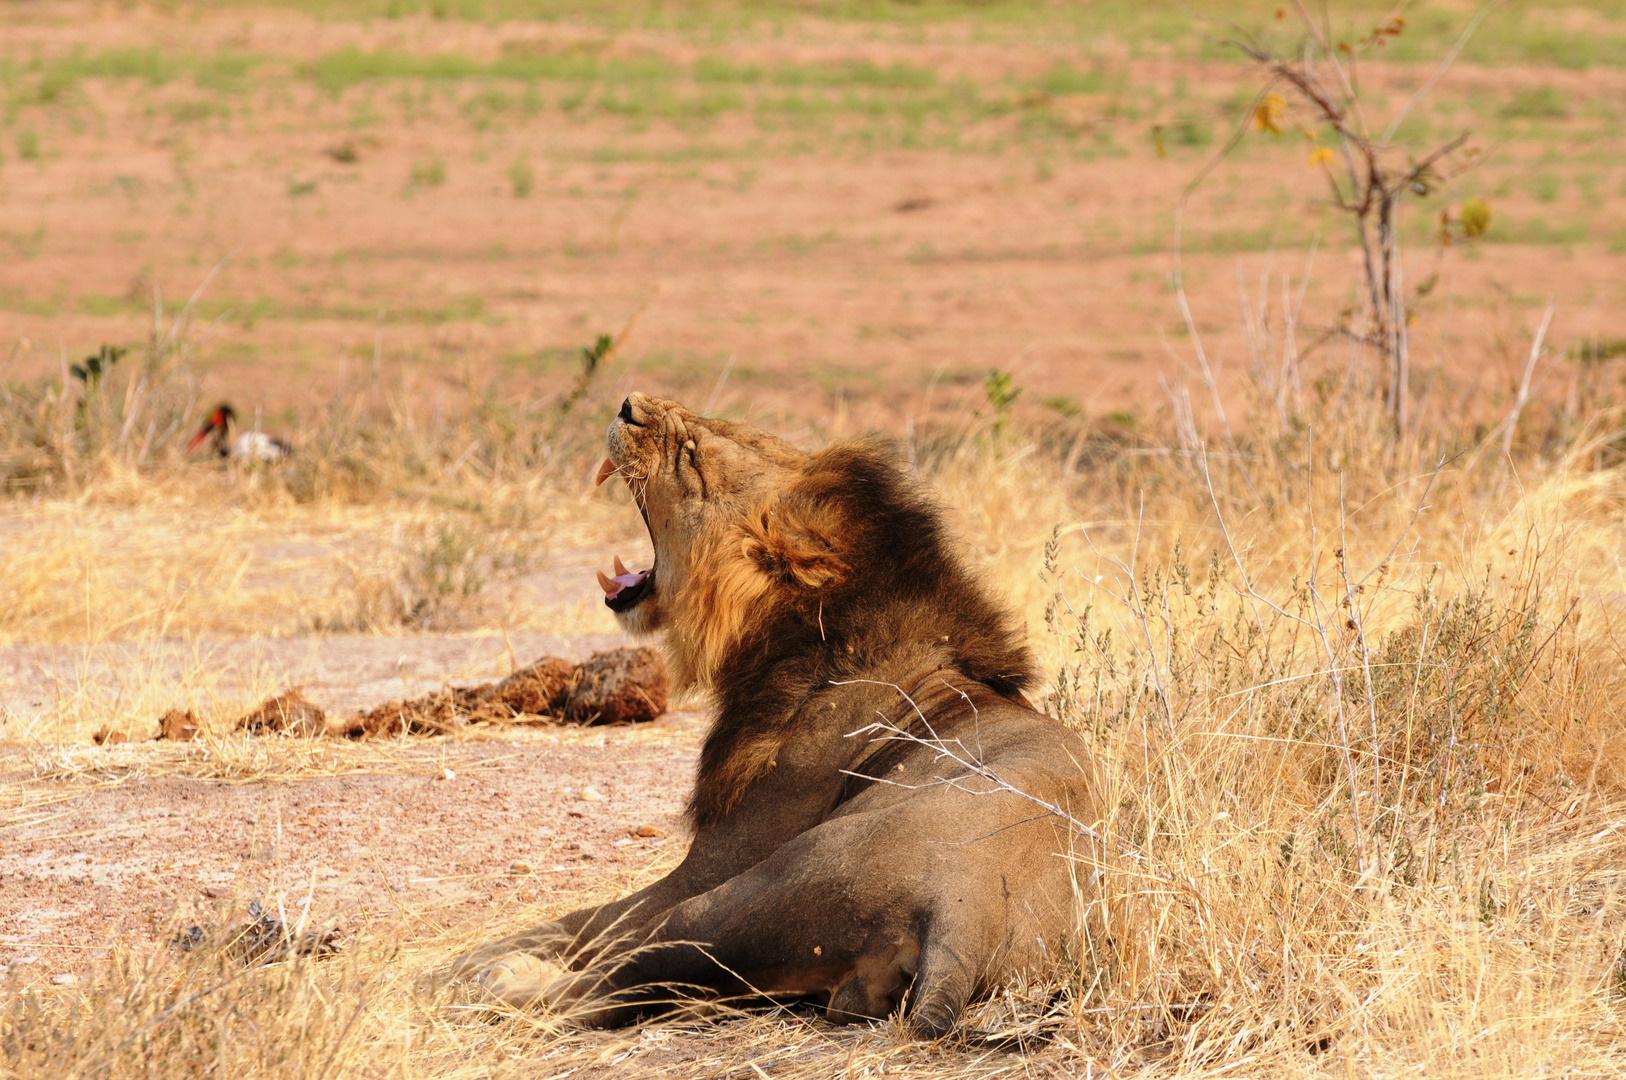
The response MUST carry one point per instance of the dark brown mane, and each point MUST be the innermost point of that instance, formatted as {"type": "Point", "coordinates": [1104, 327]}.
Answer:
{"type": "Point", "coordinates": [867, 585]}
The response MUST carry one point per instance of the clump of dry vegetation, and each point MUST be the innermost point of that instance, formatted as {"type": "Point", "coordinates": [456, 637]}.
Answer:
{"type": "Point", "coordinates": [383, 520]}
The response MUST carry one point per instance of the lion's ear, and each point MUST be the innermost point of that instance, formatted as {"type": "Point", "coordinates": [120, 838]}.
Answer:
{"type": "Point", "coordinates": [794, 542]}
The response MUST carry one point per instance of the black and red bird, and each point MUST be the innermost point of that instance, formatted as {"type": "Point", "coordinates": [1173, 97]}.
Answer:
{"type": "Point", "coordinates": [249, 446]}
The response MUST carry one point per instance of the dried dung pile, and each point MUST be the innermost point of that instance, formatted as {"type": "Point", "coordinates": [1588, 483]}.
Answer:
{"type": "Point", "coordinates": [433, 714]}
{"type": "Point", "coordinates": [543, 688]}
{"type": "Point", "coordinates": [623, 686]}
{"type": "Point", "coordinates": [290, 713]}
{"type": "Point", "coordinates": [540, 690]}
{"type": "Point", "coordinates": [626, 686]}
{"type": "Point", "coordinates": [180, 726]}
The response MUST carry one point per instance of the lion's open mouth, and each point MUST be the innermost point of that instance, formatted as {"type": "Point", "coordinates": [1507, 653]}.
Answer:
{"type": "Point", "coordinates": [625, 589]}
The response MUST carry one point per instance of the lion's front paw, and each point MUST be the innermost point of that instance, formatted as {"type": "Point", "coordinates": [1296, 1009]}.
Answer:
{"type": "Point", "coordinates": [521, 979]}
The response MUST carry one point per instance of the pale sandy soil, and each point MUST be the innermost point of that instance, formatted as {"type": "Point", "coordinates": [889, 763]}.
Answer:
{"type": "Point", "coordinates": [421, 834]}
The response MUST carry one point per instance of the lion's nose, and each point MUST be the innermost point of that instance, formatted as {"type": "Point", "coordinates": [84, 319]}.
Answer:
{"type": "Point", "coordinates": [625, 415]}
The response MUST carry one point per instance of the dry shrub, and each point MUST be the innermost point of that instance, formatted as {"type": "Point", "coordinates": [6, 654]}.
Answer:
{"type": "Point", "coordinates": [1321, 842]}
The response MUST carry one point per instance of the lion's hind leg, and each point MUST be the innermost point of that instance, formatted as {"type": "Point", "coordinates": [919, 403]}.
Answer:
{"type": "Point", "coordinates": [946, 980]}
{"type": "Point", "coordinates": [876, 986]}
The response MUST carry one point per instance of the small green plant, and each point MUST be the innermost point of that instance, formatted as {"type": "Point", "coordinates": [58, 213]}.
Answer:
{"type": "Point", "coordinates": [1476, 217]}
{"type": "Point", "coordinates": [521, 178]}
{"type": "Point", "coordinates": [343, 153]}
{"type": "Point", "coordinates": [1123, 418]}
{"type": "Point", "coordinates": [593, 356]}
{"type": "Point", "coordinates": [1064, 406]}
{"type": "Point", "coordinates": [101, 363]}
{"type": "Point", "coordinates": [1001, 391]}
{"type": "Point", "coordinates": [1063, 79]}
{"type": "Point", "coordinates": [25, 245]}
{"type": "Point", "coordinates": [428, 172]}
{"type": "Point", "coordinates": [1183, 132]}
{"type": "Point", "coordinates": [296, 188]}
{"type": "Point", "coordinates": [28, 144]}
{"type": "Point", "coordinates": [1471, 222]}
{"type": "Point", "coordinates": [1596, 350]}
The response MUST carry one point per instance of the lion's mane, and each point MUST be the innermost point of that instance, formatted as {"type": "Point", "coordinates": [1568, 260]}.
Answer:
{"type": "Point", "coordinates": [850, 565]}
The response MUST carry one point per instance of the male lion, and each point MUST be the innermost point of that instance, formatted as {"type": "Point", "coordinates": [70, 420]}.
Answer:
{"type": "Point", "coordinates": [880, 818]}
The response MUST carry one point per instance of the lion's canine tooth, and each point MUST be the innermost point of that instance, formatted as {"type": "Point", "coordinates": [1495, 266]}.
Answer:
{"type": "Point", "coordinates": [605, 471]}
{"type": "Point", "coordinates": [607, 583]}
{"type": "Point", "coordinates": [620, 567]}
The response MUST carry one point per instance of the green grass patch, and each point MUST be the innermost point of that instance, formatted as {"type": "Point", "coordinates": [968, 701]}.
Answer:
{"type": "Point", "coordinates": [428, 172]}
{"type": "Point", "coordinates": [347, 67]}
{"type": "Point", "coordinates": [839, 73]}
{"type": "Point", "coordinates": [1537, 103]}
{"type": "Point", "coordinates": [195, 111]}
{"type": "Point", "coordinates": [521, 178]}
{"type": "Point", "coordinates": [1537, 230]}
{"type": "Point", "coordinates": [1540, 32]}
{"type": "Point", "coordinates": [18, 304]}
{"type": "Point", "coordinates": [250, 310]}
{"type": "Point", "coordinates": [1066, 79]}
{"type": "Point", "coordinates": [55, 80]}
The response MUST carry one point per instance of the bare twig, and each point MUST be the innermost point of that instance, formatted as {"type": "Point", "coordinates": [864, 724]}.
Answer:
{"type": "Point", "coordinates": [1523, 397]}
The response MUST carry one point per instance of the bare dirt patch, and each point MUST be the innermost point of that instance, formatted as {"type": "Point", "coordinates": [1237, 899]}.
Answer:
{"type": "Point", "coordinates": [442, 832]}
{"type": "Point", "coordinates": [120, 842]}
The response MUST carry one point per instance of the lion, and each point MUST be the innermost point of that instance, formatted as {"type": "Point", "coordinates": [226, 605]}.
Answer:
{"type": "Point", "coordinates": [881, 821]}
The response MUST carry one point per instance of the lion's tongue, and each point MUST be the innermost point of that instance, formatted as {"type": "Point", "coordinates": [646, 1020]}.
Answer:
{"type": "Point", "coordinates": [612, 586]}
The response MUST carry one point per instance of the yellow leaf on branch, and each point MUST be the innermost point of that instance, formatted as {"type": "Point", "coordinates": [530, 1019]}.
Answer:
{"type": "Point", "coordinates": [1268, 113]}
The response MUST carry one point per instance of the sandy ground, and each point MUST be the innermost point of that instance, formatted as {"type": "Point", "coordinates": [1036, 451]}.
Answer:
{"type": "Point", "coordinates": [423, 834]}
{"type": "Point", "coordinates": [342, 674]}
{"type": "Point", "coordinates": [795, 274]}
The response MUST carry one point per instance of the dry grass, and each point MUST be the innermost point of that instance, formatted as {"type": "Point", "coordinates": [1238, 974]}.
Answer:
{"type": "Point", "coordinates": [1357, 703]}
{"type": "Point", "coordinates": [383, 521]}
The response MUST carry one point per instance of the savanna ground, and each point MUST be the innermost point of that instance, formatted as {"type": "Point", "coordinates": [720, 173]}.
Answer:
{"type": "Point", "coordinates": [1358, 692]}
